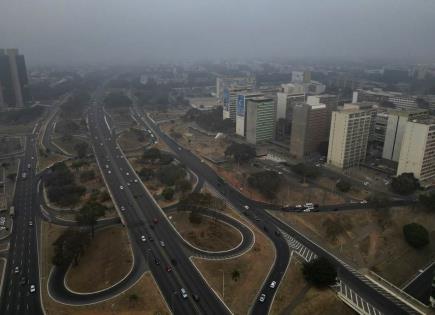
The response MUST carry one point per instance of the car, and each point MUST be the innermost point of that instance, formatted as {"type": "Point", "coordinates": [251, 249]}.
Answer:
{"type": "Point", "coordinates": [150, 238]}
{"type": "Point", "coordinates": [179, 149]}
{"type": "Point", "coordinates": [363, 201]}
{"type": "Point", "coordinates": [109, 172]}
{"type": "Point", "coordinates": [246, 207]}
{"type": "Point", "coordinates": [127, 173]}
{"type": "Point", "coordinates": [121, 187]}
{"type": "Point", "coordinates": [162, 243]}
{"type": "Point", "coordinates": [262, 298]}
{"type": "Point", "coordinates": [184, 293]}
{"type": "Point", "coordinates": [257, 219]}
{"type": "Point", "coordinates": [195, 297]}
{"type": "Point", "coordinates": [173, 261]}
{"type": "Point", "coordinates": [156, 261]}
{"type": "Point", "coordinates": [366, 183]}
{"type": "Point", "coordinates": [32, 288]}
{"type": "Point", "coordinates": [30, 223]}
{"type": "Point", "coordinates": [272, 285]}
{"type": "Point", "coordinates": [155, 220]}
{"type": "Point", "coordinates": [202, 161]}
{"type": "Point", "coordinates": [122, 208]}
{"type": "Point", "coordinates": [143, 238]}
{"type": "Point", "coordinates": [309, 205]}
{"type": "Point", "coordinates": [107, 166]}
{"type": "Point", "coordinates": [17, 269]}
{"type": "Point", "coordinates": [135, 180]}
{"type": "Point", "coordinates": [168, 268]}
{"type": "Point", "coordinates": [307, 210]}
{"type": "Point", "coordinates": [298, 206]}
{"type": "Point", "coordinates": [128, 184]}
{"type": "Point", "coordinates": [277, 233]}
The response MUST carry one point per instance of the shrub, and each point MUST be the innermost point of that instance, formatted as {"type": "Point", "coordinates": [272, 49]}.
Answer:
{"type": "Point", "coordinates": [416, 235]}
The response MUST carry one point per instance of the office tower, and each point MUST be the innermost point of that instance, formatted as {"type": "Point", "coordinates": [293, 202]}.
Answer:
{"type": "Point", "coordinates": [230, 101]}
{"type": "Point", "coordinates": [13, 78]}
{"type": "Point", "coordinates": [396, 125]}
{"type": "Point", "coordinates": [260, 119]}
{"type": "Point", "coordinates": [301, 76]}
{"type": "Point", "coordinates": [404, 102]}
{"type": "Point", "coordinates": [241, 111]}
{"type": "Point", "coordinates": [309, 129]}
{"type": "Point", "coordinates": [291, 95]}
{"type": "Point", "coordinates": [417, 154]}
{"type": "Point", "coordinates": [348, 137]}
{"type": "Point", "coordinates": [330, 101]}
{"type": "Point", "coordinates": [380, 129]}
{"type": "Point", "coordinates": [371, 107]}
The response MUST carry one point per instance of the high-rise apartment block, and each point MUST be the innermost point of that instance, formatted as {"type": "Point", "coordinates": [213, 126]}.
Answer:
{"type": "Point", "coordinates": [396, 125]}
{"type": "Point", "coordinates": [348, 137]}
{"type": "Point", "coordinates": [241, 111]}
{"type": "Point", "coordinates": [417, 154]}
{"type": "Point", "coordinates": [260, 119]}
{"type": "Point", "coordinates": [309, 129]}
{"type": "Point", "coordinates": [13, 79]}
{"type": "Point", "coordinates": [291, 95]}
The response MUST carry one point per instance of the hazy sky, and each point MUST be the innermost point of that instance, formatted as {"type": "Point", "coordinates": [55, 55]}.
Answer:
{"type": "Point", "coordinates": [130, 31]}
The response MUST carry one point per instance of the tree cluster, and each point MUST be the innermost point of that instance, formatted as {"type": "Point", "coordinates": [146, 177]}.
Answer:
{"type": "Point", "coordinates": [86, 176]}
{"type": "Point", "coordinates": [240, 152]}
{"type": "Point", "coordinates": [305, 170]}
{"type": "Point", "coordinates": [405, 184]}
{"type": "Point", "coordinates": [319, 272]}
{"type": "Point", "coordinates": [75, 105]}
{"type": "Point", "coordinates": [343, 185]}
{"type": "Point", "coordinates": [170, 174]}
{"type": "Point", "coordinates": [90, 213]}
{"type": "Point", "coordinates": [21, 116]}
{"type": "Point", "coordinates": [61, 187]}
{"type": "Point", "coordinates": [82, 149]}
{"type": "Point", "coordinates": [416, 235]}
{"type": "Point", "coordinates": [69, 246]}
{"type": "Point", "coordinates": [210, 120]}
{"type": "Point", "coordinates": [267, 182]}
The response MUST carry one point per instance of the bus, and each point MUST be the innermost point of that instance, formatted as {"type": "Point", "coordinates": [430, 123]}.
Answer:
{"type": "Point", "coordinates": [12, 211]}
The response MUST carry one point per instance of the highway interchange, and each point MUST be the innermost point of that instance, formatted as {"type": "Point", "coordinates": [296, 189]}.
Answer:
{"type": "Point", "coordinates": [143, 217]}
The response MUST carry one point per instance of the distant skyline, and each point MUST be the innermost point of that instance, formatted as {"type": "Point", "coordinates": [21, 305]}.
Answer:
{"type": "Point", "coordinates": [136, 31]}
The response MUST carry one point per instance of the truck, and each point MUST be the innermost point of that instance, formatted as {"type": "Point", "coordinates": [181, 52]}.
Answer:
{"type": "Point", "coordinates": [12, 211]}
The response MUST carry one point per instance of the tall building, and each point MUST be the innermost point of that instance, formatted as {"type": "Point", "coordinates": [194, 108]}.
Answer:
{"type": "Point", "coordinates": [230, 101]}
{"type": "Point", "coordinates": [330, 101]}
{"type": "Point", "coordinates": [348, 137]}
{"type": "Point", "coordinates": [241, 111]}
{"type": "Point", "coordinates": [260, 119]}
{"type": "Point", "coordinates": [291, 95]}
{"type": "Point", "coordinates": [417, 154]}
{"type": "Point", "coordinates": [404, 102]}
{"type": "Point", "coordinates": [309, 129]}
{"type": "Point", "coordinates": [13, 79]}
{"type": "Point", "coordinates": [380, 129]}
{"type": "Point", "coordinates": [396, 125]}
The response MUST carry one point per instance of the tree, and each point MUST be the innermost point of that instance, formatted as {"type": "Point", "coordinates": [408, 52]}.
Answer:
{"type": "Point", "coordinates": [267, 182]}
{"type": "Point", "coordinates": [86, 176]}
{"type": "Point", "coordinates": [168, 193]}
{"type": "Point", "coordinates": [90, 213]}
{"type": "Point", "coordinates": [235, 275]}
{"type": "Point", "coordinates": [405, 184]}
{"type": "Point", "coordinates": [151, 154]}
{"type": "Point", "coordinates": [343, 185]}
{"type": "Point", "coordinates": [81, 149]}
{"type": "Point", "coordinates": [146, 173]}
{"type": "Point", "coordinates": [69, 246]}
{"type": "Point", "coordinates": [183, 185]}
{"type": "Point", "coordinates": [416, 235]}
{"type": "Point", "coordinates": [195, 217]}
{"type": "Point", "coordinates": [240, 152]}
{"type": "Point", "coordinates": [170, 174]}
{"type": "Point", "coordinates": [319, 272]}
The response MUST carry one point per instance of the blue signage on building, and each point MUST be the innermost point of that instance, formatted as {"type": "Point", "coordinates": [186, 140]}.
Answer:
{"type": "Point", "coordinates": [241, 105]}
{"type": "Point", "coordinates": [226, 100]}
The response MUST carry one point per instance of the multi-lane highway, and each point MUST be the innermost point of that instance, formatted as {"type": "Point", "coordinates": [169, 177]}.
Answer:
{"type": "Point", "coordinates": [20, 293]}
{"type": "Point", "coordinates": [142, 216]}
{"type": "Point", "coordinates": [373, 294]}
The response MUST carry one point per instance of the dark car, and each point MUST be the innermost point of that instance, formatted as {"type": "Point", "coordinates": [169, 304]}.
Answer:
{"type": "Point", "coordinates": [156, 261]}
{"type": "Point", "coordinates": [23, 280]}
{"type": "Point", "coordinates": [195, 297]}
{"type": "Point", "coordinates": [173, 261]}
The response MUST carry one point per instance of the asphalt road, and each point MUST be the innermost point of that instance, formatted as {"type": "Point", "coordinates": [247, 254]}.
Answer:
{"type": "Point", "coordinates": [420, 286]}
{"type": "Point", "coordinates": [382, 301]}
{"type": "Point", "coordinates": [142, 216]}
{"type": "Point", "coordinates": [23, 252]}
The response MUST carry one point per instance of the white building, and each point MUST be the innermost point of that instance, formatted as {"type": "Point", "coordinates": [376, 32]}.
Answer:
{"type": "Point", "coordinates": [396, 124]}
{"type": "Point", "coordinates": [241, 111]}
{"type": "Point", "coordinates": [348, 137]}
{"type": "Point", "coordinates": [260, 119]}
{"type": "Point", "coordinates": [417, 154]}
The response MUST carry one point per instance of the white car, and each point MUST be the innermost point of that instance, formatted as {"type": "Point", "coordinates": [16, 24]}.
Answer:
{"type": "Point", "coordinates": [363, 201]}
{"type": "Point", "coordinates": [127, 173]}
{"type": "Point", "coordinates": [273, 284]}
{"type": "Point", "coordinates": [246, 207]}
{"type": "Point", "coordinates": [109, 172]}
{"type": "Point", "coordinates": [262, 297]}
{"type": "Point", "coordinates": [135, 180]}
{"type": "Point", "coordinates": [17, 269]}
{"type": "Point", "coordinates": [121, 187]}
{"type": "Point", "coordinates": [162, 243]}
{"type": "Point", "coordinates": [184, 293]}
{"type": "Point", "coordinates": [366, 183]}
{"type": "Point", "coordinates": [143, 238]}
{"type": "Point", "coordinates": [122, 208]}
{"type": "Point", "coordinates": [179, 149]}
{"type": "Point", "coordinates": [307, 210]}
{"type": "Point", "coordinates": [32, 288]}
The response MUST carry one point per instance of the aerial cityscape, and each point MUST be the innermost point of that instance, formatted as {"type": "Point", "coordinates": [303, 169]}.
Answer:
{"type": "Point", "coordinates": [196, 157]}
